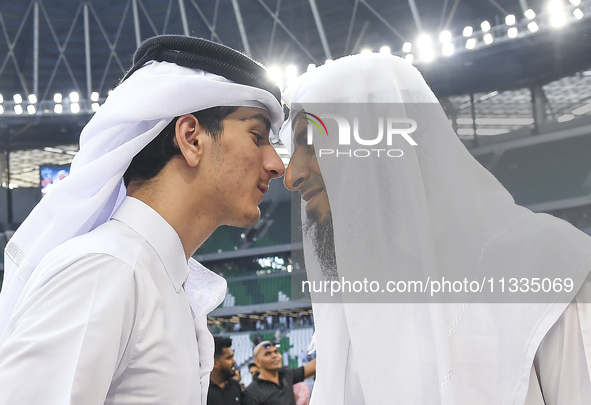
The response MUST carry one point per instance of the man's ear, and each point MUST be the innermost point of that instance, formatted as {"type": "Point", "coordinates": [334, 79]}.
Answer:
{"type": "Point", "coordinates": [190, 137]}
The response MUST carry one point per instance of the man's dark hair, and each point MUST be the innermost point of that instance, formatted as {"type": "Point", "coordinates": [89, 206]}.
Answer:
{"type": "Point", "coordinates": [220, 344]}
{"type": "Point", "coordinates": [155, 155]}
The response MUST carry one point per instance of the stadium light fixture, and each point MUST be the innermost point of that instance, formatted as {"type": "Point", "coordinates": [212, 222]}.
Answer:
{"type": "Point", "coordinates": [512, 32]}
{"type": "Point", "coordinates": [409, 57]}
{"type": "Point", "coordinates": [58, 108]}
{"type": "Point", "coordinates": [31, 109]}
{"type": "Point", "coordinates": [275, 74]}
{"type": "Point", "coordinates": [385, 50]}
{"type": "Point", "coordinates": [485, 25]}
{"type": "Point", "coordinates": [555, 6]}
{"type": "Point", "coordinates": [406, 47]}
{"type": "Point", "coordinates": [468, 30]}
{"type": "Point", "coordinates": [94, 96]}
{"type": "Point", "coordinates": [32, 98]}
{"type": "Point", "coordinates": [95, 107]}
{"type": "Point", "coordinates": [578, 13]}
{"type": "Point", "coordinates": [529, 14]}
{"type": "Point", "coordinates": [366, 51]}
{"type": "Point", "coordinates": [75, 108]}
{"type": "Point", "coordinates": [488, 38]}
{"type": "Point", "coordinates": [558, 20]}
{"type": "Point", "coordinates": [310, 67]}
{"type": "Point", "coordinates": [510, 19]}
{"type": "Point", "coordinates": [471, 43]}
{"type": "Point", "coordinates": [18, 109]}
{"type": "Point", "coordinates": [425, 48]}
{"type": "Point", "coordinates": [17, 98]}
{"type": "Point", "coordinates": [447, 49]}
{"type": "Point", "coordinates": [575, 2]}
{"type": "Point", "coordinates": [445, 37]}
{"type": "Point", "coordinates": [57, 98]}
{"type": "Point", "coordinates": [533, 26]}
{"type": "Point", "coordinates": [74, 97]}
{"type": "Point", "coordinates": [1, 98]}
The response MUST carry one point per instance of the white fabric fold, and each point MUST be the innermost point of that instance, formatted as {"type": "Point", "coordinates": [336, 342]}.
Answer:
{"type": "Point", "coordinates": [433, 211]}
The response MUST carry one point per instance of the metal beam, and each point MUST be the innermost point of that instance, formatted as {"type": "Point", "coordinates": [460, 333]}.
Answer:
{"type": "Point", "coordinates": [353, 15]}
{"type": "Point", "coordinates": [382, 19]}
{"type": "Point", "coordinates": [273, 30]}
{"type": "Point", "coordinates": [415, 15]}
{"type": "Point", "coordinates": [287, 31]}
{"type": "Point", "coordinates": [523, 4]}
{"type": "Point", "coordinates": [184, 17]}
{"type": "Point", "coordinates": [87, 54]}
{"type": "Point", "coordinates": [320, 28]}
{"type": "Point", "coordinates": [498, 6]}
{"type": "Point", "coordinates": [209, 26]}
{"type": "Point", "coordinates": [360, 37]}
{"type": "Point", "coordinates": [241, 27]}
{"type": "Point", "coordinates": [136, 23]}
{"type": "Point", "coordinates": [452, 13]}
{"type": "Point", "coordinates": [36, 50]}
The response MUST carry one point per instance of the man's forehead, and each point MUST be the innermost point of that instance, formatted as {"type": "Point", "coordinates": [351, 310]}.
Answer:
{"type": "Point", "coordinates": [252, 114]}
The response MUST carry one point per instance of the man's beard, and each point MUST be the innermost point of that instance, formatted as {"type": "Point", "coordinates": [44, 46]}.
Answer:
{"type": "Point", "coordinates": [322, 236]}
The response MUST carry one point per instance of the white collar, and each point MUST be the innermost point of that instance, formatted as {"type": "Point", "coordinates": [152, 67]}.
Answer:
{"type": "Point", "coordinates": [144, 220]}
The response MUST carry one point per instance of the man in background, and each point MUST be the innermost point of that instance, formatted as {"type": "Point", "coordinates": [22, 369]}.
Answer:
{"type": "Point", "coordinates": [274, 384]}
{"type": "Point", "coordinates": [224, 388]}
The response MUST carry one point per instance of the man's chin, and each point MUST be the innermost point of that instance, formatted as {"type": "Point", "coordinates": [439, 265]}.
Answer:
{"type": "Point", "coordinates": [322, 235]}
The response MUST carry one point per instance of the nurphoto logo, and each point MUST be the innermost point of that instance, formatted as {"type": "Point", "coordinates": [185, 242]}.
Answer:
{"type": "Point", "coordinates": [388, 127]}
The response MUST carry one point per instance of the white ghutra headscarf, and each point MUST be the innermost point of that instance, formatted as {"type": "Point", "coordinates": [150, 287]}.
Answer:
{"type": "Point", "coordinates": [132, 116]}
{"type": "Point", "coordinates": [433, 211]}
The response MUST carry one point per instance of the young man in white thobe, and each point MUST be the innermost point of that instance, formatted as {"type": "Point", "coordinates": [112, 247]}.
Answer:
{"type": "Point", "coordinates": [104, 304]}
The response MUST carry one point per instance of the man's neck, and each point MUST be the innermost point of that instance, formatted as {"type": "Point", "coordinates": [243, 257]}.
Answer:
{"type": "Point", "coordinates": [217, 378]}
{"type": "Point", "coordinates": [269, 375]}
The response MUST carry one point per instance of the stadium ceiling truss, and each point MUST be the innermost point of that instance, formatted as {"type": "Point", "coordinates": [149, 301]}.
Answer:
{"type": "Point", "coordinates": [60, 58]}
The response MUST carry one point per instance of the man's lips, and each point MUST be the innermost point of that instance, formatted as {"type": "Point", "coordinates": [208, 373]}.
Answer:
{"type": "Point", "coordinates": [308, 195]}
{"type": "Point", "coordinates": [263, 189]}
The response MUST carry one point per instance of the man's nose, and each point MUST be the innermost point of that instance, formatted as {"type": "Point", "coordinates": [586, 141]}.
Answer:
{"type": "Point", "coordinates": [295, 175]}
{"type": "Point", "coordinates": [273, 164]}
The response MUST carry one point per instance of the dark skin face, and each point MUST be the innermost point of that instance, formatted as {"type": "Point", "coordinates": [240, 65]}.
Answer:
{"type": "Point", "coordinates": [303, 173]}
{"type": "Point", "coordinates": [224, 367]}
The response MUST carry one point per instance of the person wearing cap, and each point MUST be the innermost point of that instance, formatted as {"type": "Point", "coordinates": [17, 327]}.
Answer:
{"type": "Point", "coordinates": [274, 384]}
{"type": "Point", "coordinates": [224, 387]}
{"type": "Point", "coordinates": [396, 207]}
{"type": "Point", "coordinates": [104, 304]}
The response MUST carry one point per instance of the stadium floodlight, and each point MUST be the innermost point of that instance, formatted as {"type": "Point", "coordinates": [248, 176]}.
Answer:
{"type": "Point", "coordinates": [529, 14]}
{"type": "Point", "coordinates": [558, 20]}
{"type": "Point", "coordinates": [17, 98]}
{"type": "Point", "coordinates": [445, 37]}
{"type": "Point", "coordinates": [575, 2]}
{"type": "Point", "coordinates": [57, 98]}
{"type": "Point", "coordinates": [18, 109]}
{"type": "Point", "coordinates": [447, 49]}
{"type": "Point", "coordinates": [275, 74]}
{"type": "Point", "coordinates": [512, 32]}
{"type": "Point", "coordinates": [1, 109]}
{"type": "Point", "coordinates": [471, 43]}
{"type": "Point", "coordinates": [1, 98]}
{"type": "Point", "coordinates": [74, 97]}
{"type": "Point", "coordinates": [75, 108]}
{"type": "Point", "coordinates": [406, 47]}
{"type": "Point", "coordinates": [533, 26]}
{"type": "Point", "coordinates": [510, 19]}
{"type": "Point", "coordinates": [291, 71]}
{"type": "Point", "coordinates": [58, 108]}
{"type": "Point", "coordinates": [409, 57]}
{"type": "Point", "coordinates": [94, 96]}
{"type": "Point", "coordinates": [488, 38]}
{"type": "Point", "coordinates": [31, 109]}
{"type": "Point", "coordinates": [366, 51]}
{"type": "Point", "coordinates": [485, 25]}
{"type": "Point", "coordinates": [555, 6]}
{"type": "Point", "coordinates": [326, 62]}
{"type": "Point", "coordinates": [32, 98]}
{"type": "Point", "coordinates": [468, 30]}
{"type": "Point", "coordinates": [578, 13]}
{"type": "Point", "coordinates": [385, 50]}
{"type": "Point", "coordinates": [311, 66]}
{"type": "Point", "coordinates": [425, 48]}
{"type": "Point", "coordinates": [95, 107]}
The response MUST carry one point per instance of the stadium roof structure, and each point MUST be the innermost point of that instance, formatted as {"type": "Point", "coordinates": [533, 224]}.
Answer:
{"type": "Point", "coordinates": [59, 59]}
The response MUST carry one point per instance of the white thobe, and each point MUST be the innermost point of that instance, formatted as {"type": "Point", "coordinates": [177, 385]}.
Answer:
{"type": "Point", "coordinates": [113, 325]}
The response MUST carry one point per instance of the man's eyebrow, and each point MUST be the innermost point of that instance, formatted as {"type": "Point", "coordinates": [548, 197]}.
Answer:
{"type": "Point", "coordinates": [259, 117]}
{"type": "Point", "coordinates": [301, 136]}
